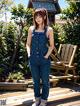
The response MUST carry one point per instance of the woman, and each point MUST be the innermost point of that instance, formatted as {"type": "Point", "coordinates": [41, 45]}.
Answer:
{"type": "Point", "coordinates": [39, 36]}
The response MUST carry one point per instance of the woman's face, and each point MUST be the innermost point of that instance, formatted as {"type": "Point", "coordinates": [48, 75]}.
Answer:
{"type": "Point", "coordinates": [39, 19]}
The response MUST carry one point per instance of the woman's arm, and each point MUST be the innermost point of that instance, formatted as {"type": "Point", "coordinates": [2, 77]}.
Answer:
{"type": "Point", "coordinates": [28, 43]}
{"type": "Point", "coordinates": [51, 42]}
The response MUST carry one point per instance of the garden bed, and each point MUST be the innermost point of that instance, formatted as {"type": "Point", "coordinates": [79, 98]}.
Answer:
{"type": "Point", "coordinates": [13, 86]}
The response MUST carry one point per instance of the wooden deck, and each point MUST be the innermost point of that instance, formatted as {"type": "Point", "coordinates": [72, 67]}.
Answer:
{"type": "Point", "coordinates": [62, 95]}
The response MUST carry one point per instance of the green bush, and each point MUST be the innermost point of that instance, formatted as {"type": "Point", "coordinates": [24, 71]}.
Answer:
{"type": "Point", "coordinates": [72, 32]}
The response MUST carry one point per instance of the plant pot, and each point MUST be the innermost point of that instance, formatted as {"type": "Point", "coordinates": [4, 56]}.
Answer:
{"type": "Point", "coordinates": [15, 80]}
{"type": "Point", "coordinates": [10, 80]}
{"type": "Point", "coordinates": [21, 81]}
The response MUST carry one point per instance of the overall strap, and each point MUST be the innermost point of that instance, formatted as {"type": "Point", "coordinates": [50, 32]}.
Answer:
{"type": "Point", "coordinates": [33, 29]}
{"type": "Point", "coordinates": [45, 31]}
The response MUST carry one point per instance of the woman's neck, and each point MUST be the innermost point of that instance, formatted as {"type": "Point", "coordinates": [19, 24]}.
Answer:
{"type": "Point", "coordinates": [41, 27]}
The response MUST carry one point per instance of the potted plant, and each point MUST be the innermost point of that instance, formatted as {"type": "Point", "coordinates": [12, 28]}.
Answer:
{"type": "Point", "coordinates": [15, 77]}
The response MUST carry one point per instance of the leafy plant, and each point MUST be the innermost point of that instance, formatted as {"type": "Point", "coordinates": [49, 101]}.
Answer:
{"type": "Point", "coordinates": [10, 77]}
{"type": "Point", "coordinates": [15, 76]}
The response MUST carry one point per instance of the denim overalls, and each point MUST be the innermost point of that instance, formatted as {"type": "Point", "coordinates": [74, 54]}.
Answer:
{"type": "Point", "coordinates": [40, 66]}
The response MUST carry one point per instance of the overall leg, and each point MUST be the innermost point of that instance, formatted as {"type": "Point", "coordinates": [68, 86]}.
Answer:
{"type": "Point", "coordinates": [36, 79]}
{"type": "Point", "coordinates": [45, 70]}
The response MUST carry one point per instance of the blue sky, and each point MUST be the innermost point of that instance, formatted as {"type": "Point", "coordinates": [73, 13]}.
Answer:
{"type": "Point", "coordinates": [62, 3]}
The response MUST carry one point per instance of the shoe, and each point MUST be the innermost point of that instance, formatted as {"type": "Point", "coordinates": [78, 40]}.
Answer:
{"type": "Point", "coordinates": [37, 102]}
{"type": "Point", "coordinates": [43, 102]}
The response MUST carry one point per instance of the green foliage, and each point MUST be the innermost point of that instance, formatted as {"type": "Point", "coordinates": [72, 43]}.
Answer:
{"type": "Point", "coordinates": [15, 75]}
{"type": "Point", "coordinates": [59, 34]}
{"type": "Point", "coordinates": [13, 54]}
{"type": "Point", "coordinates": [1, 70]}
{"type": "Point", "coordinates": [21, 15]}
{"type": "Point", "coordinates": [1, 26]}
{"type": "Point", "coordinates": [23, 18]}
{"type": "Point", "coordinates": [18, 11]}
{"type": "Point", "coordinates": [10, 77]}
{"type": "Point", "coordinates": [69, 32]}
{"type": "Point", "coordinates": [56, 34]}
{"type": "Point", "coordinates": [9, 33]}
{"type": "Point", "coordinates": [72, 32]}
{"type": "Point", "coordinates": [72, 12]}
{"type": "Point", "coordinates": [72, 28]}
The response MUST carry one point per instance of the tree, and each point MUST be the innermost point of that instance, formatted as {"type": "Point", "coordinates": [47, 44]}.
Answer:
{"type": "Point", "coordinates": [13, 54]}
{"type": "Point", "coordinates": [22, 18]}
{"type": "Point", "coordinates": [7, 34]}
{"type": "Point", "coordinates": [72, 12]}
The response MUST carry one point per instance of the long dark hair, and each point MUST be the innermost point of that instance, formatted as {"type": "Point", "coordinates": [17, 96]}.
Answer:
{"type": "Point", "coordinates": [43, 13]}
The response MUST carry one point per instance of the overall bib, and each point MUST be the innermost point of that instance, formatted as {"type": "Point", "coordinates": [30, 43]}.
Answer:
{"type": "Point", "coordinates": [40, 66]}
